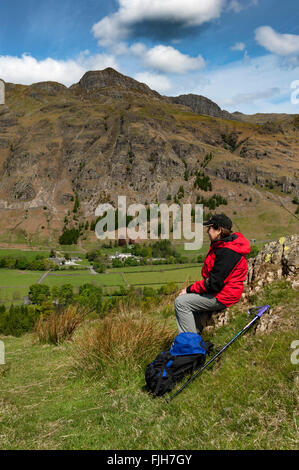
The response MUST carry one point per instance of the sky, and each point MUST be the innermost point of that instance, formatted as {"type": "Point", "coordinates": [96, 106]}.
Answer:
{"type": "Point", "coordinates": [242, 54]}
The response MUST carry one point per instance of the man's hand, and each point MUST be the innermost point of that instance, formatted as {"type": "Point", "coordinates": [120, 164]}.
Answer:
{"type": "Point", "coordinates": [183, 292]}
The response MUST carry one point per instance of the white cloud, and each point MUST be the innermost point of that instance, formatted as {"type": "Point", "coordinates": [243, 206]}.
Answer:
{"type": "Point", "coordinates": [249, 98]}
{"type": "Point", "coordinates": [235, 6]}
{"type": "Point", "coordinates": [281, 44]}
{"type": "Point", "coordinates": [157, 82]}
{"type": "Point", "coordinates": [167, 59]}
{"type": "Point", "coordinates": [120, 48]}
{"type": "Point", "coordinates": [250, 86]}
{"type": "Point", "coordinates": [118, 26]}
{"type": "Point", "coordinates": [138, 48]}
{"type": "Point", "coordinates": [27, 70]}
{"type": "Point", "coordinates": [239, 46]}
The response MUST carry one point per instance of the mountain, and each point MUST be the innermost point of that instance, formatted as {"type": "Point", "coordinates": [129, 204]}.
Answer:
{"type": "Point", "coordinates": [110, 135]}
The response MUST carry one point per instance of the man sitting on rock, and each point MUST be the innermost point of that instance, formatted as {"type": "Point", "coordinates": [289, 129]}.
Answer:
{"type": "Point", "coordinates": [224, 272]}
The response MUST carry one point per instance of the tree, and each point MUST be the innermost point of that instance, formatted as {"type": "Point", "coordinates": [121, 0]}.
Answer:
{"type": "Point", "coordinates": [21, 263]}
{"type": "Point", "coordinates": [99, 265]}
{"type": "Point", "coordinates": [117, 263]}
{"type": "Point", "coordinates": [38, 293]}
{"type": "Point", "coordinates": [90, 296]}
{"type": "Point", "coordinates": [65, 294]}
{"type": "Point", "coordinates": [92, 255]}
{"type": "Point", "coordinates": [77, 204]}
{"type": "Point", "coordinates": [69, 237]}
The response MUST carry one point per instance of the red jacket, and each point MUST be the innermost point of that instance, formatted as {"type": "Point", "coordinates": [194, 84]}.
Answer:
{"type": "Point", "coordinates": [224, 270]}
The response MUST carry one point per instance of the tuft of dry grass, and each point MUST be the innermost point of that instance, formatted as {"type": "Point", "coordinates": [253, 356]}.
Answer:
{"type": "Point", "coordinates": [59, 325]}
{"type": "Point", "coordinates": [126, 338]}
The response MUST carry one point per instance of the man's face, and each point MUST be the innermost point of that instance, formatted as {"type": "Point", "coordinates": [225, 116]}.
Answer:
{"type": "Point", "coordinates": [214, 234]}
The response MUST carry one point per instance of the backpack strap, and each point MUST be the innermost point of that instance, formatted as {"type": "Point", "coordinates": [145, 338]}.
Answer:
{"type": "Point", "coordinates": [166, 359]}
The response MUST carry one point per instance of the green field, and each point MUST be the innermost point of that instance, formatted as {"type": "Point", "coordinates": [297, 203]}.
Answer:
{"type": "Point", "coordinates": [29, 254]}
{"type": "Point", "coordinates": [14, 284]}
{"type": "Point", "coordinates": [16, 278]}
{"type": "Point", "coordinates": [175, 275]}
{"type": "Point", "coordinates": [153, 267]}
{"type": "Point", "coordinates": [113, 279]}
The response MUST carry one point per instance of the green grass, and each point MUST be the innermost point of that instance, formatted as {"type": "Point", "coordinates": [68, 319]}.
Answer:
{"type": "Point", "coordinates": [247, 400]}
{"type": "Point", "coordinates": [113, 279]}
{"type": "Point", "coordinates": [176, 275]}
{"type": "Point", "coordinates": [14, 295]}
{"type": "Point", "coordinates": [29, 254]}
{"type": "Point", "coordinates": [14, 284]}
{"type": "Point", "coordinates": [68, 249]}
{"type": "Point", "coordinates": [14, 277]}
{"type": "Point", "coordinates": [179, 247]}
{"type": "Point", "coordinates": [154, 268]}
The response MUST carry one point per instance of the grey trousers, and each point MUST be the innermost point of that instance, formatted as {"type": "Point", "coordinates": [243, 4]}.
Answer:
{"type": "Point", "coordinates": [189, 307]}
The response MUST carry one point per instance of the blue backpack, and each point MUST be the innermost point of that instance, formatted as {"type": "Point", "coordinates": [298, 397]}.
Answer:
{"type": "Point", "coordinates": [186, 354]}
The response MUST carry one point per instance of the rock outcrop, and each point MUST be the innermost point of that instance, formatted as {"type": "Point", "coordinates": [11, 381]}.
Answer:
{"type": "Point", "coordinates": [202, 105]}
{"type": "Point", "coordinates": [100, 79]}
{"type": "Point", "coordinates": [252, 175]}
{"type": "Point", "coordinates": [51, 88]}
{"type": "Point", "coordinates": [278, 260]}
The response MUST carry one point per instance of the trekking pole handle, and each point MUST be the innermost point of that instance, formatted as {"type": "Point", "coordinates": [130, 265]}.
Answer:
{"type": "Point", "coordinates": [258, 311]}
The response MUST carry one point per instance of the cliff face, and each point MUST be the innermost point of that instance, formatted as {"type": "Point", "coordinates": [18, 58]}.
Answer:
{"type": "Point", "coordinates": [202, 105]}
{"type": "Point", "coordinates": [110, 135]}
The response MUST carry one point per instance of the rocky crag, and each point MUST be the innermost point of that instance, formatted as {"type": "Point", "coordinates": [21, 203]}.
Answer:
{"type": "Point", "coordinates": [202, 105]}
{"type": "Point", "coordinates": [278, 260]}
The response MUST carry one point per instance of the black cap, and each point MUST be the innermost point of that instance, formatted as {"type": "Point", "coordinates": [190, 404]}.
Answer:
{"type": "Point", "coordinates": [221, 220]}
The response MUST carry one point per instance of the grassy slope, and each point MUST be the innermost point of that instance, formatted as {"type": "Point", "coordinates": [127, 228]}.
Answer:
{"type": "Point", "coordinates": [246, 401]}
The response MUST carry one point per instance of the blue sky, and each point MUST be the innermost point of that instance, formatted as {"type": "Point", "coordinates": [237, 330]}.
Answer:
{"type": "Point", "coordinates": [243, 54]}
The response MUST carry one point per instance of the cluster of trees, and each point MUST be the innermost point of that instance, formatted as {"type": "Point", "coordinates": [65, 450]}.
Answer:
{"type": "Point", "coordinates": [202, 181]}
{"type": "Point", "coordinates": [17, 320]}
{"type": "Point", "coordinates": [163, 249]}
{"type": "Point", "coordinates": [214, 201]}
{"type": "Point", "coordinates": [160, 249]}
{"type": "Point", "coordinates": [206, 160]}
{"type": "Point", "coordinates": [118, 263]}
{"type": "Point", "coordinates": [40, 263]}
{"type": "Point", "coordinates": [69, 236]}
{"type": "Point", "coordinates": [230, 141]}
{"type": "Point", "coordinates": [98, 261]}
{"type": "Point", "coordinates": [88, 295]}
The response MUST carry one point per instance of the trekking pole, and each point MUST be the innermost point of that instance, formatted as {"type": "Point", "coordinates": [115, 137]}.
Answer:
{"type": "Point", "coordinates": [258, 311]}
